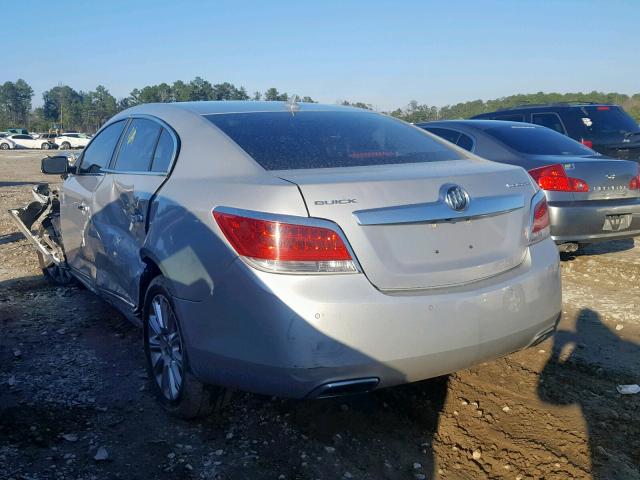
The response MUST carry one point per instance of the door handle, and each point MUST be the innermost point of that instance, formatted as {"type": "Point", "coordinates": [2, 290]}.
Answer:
{"type": "Point", "coordinates": [83, 207]}
{"type": "Point", "coordinates": [136, 218]}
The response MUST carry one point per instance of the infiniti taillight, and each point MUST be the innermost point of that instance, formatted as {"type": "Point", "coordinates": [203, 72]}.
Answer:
{"type": "Point", "coordinates": [286, 247]}
{"type": "Point", "coordinates": [540, 227]}
{"type": "Point", "coordinates": [634, 184]}
{"type": "Point", "coordinates": [554, 178]}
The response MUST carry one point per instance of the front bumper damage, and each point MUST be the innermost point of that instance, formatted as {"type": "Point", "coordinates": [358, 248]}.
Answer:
{"type": "Point", "coordinates": [38, 222]}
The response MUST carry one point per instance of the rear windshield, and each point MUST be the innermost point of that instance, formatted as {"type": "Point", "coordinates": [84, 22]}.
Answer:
{"type": "Point", "coordinates": [608, 120]}
{"type": "Point", "coordinates": [286, 141]}
{"type": "Point", "coordinates": [538, 141]}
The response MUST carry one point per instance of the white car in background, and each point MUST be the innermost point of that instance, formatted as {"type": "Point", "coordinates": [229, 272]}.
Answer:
{"type": "Point", "coordinates": [5, 143]}
{"type": "Point", "coordinates": [72, 140]}
{"type": "Point", "coordinates": [27, 141]}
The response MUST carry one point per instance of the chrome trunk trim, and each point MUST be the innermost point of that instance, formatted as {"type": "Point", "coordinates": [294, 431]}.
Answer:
{"type": "Point", "coordinates": [439, 212]}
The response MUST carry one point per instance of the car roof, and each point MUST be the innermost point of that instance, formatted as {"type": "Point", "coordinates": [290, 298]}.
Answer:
{"type": "Point", "coordinates": [241, 106]}
{"type": "Point", "coordinates": [475, 124]}
{"type": "Point", "coordinates": [547, 106]}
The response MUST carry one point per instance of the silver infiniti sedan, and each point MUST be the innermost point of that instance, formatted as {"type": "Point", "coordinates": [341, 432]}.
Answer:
{"type": "Point", "coordinates": [592, 198]}
{"type": "Point", "coordinates": [299, 250]}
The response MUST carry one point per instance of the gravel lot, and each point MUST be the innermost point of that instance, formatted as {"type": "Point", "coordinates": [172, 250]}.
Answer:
{"type": "Point", "coordinates": [73, 390]}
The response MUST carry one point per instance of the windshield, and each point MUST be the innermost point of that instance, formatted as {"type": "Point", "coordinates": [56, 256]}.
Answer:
{"type": "Point", "coordinates": [285, 141]}
{"type": "Point", "coordinates": [608, 120]}
{"type": "Point", "coordinates": [535, 140]}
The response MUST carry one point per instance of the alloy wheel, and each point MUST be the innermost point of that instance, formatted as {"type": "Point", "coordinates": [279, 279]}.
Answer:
{"type": "Point", "coordinates": [165, 347]}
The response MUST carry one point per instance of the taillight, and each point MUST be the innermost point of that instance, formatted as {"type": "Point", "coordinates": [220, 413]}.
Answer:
{"type": "Point", "coordinates": [554, 178]}
{"type": "Point", "coordinates": [634, 184]}
{"type": "Point", "coordinates": [286, 247]}
{"type": "Point", "coordinates": [540, 228]}
{"type": "Point", "coordinates": [586, 143]}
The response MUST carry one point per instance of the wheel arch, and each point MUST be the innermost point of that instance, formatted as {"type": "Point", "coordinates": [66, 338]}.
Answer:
{"type": "Point", "coordinates": [151, 270]}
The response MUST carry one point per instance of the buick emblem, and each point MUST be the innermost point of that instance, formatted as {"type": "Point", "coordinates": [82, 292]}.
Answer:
{"type": "Point", "coordinates": [457, 198]}
{"type": "Point", "coordinates": [611, 176]}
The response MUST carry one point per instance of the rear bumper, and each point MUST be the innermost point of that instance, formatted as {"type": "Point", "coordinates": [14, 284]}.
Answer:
{"type": "Point", "coordinates": [289, 335]}
{"type": "Point", "coordinates": [583, 221]}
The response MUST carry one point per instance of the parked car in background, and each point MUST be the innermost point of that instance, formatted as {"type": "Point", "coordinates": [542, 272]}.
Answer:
{"type": "Point", "coordinates": [72, 140]}
{"type": "Point", "coordinates": [606, 128]}
{"type": "Point", "coordinates": [48, 136]}
{"type": "Point", "coordinates": [300, 250]}
{"type": "Point", "coordinates": [27, 141]}
{"type": "Point", "coordinates": [6, 143]}
{"type": "Point", "coordinates": [17, 131]}
{"type": "Point", "coordinates": [591, 197]}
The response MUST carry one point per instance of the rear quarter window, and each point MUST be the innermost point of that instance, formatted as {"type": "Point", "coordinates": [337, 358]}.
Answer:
{"type": "Point", "coordinates": [536, 140]}
{"type": "Point", "coordinates": [307, 140]}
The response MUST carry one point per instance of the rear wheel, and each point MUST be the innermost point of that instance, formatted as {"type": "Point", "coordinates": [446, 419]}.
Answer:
{"type": "Point", "coordinates": [65, 146]}
{"type": "Point", "coordinates": [45, 146]}
{"type": "Point", "coordinates": [175, 387]}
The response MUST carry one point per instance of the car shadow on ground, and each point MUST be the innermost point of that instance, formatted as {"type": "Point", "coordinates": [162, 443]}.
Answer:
{"type": "Point", "coordinates": [17, 184]}
{"type": "Point", "coordinates": [576, 354]}
{"type": "Point", "coordinates": [600, 248]}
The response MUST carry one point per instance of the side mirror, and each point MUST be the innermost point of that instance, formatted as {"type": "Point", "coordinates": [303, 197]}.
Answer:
{"type": "Point", "coordinates": [58, 165]}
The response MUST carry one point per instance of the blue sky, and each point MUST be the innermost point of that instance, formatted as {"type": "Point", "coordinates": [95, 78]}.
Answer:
{"type": "Point", "coordinates": [385, 53]}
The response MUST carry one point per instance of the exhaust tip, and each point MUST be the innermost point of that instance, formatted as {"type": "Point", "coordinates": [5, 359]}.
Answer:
{"type": "Point", "coordinates": [345, 387]}
{"type": "Point", "coordinates": [568, 247]}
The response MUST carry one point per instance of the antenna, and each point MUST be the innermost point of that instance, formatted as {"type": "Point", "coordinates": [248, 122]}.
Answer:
{"type": "Point", "coordinates": [293, 105]}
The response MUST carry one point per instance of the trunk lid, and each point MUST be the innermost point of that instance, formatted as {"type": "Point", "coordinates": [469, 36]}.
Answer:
{"type": "Point", "coordinates": [404, 234]}
{"type": "Point", "coordinates": [607, 178]}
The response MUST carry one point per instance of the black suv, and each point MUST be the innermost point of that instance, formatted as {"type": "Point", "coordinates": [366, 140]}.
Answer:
{"type": "Point", "coordinates": [606, 128]}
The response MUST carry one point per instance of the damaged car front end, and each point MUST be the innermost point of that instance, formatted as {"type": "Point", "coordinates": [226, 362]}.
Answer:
{"type": "Point", "coordinates": [39, 222]}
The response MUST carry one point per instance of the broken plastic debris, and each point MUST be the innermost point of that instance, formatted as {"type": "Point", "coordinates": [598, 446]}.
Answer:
{"type": "Point", "coordinates": [628, 389]}
{"type": "Point", "coordinates": [101, 454]}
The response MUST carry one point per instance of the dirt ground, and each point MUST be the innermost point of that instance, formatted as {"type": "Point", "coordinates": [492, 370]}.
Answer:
{"type": "Point", "coordinates": [73, 386]}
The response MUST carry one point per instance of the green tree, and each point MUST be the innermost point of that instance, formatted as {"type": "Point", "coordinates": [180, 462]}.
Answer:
{"type": "Point", "coordinates": [63, 105]}
{"type": "Point", "coordinates": [273, 95]}
{"type": "Point", "coordinates": [15, 103]}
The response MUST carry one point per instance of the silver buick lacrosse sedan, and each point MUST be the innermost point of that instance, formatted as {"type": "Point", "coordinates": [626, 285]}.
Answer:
{"type": "Point", "coordinates": [299, 250]}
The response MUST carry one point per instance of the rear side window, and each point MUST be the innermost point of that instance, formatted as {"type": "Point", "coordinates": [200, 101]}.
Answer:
{"type": "Point", "coordinates": [163, 154]}
{"type": "Point", "coordinates": [449, 135]}
{"type": "Point", "coordinates": [605, 119]}
{"type": "Point", "coordinates": [537, 141]}
{"type": "Point", "coordinates": [466, 142]}
{"type": "Point", "coordinates": [97, 155]}
{"type": "Point", "coordinates": [304, 140]}
{"type": "Point", "coordinates": [550, 120]}
{"type": "Point", "coordinates": [137, 146]}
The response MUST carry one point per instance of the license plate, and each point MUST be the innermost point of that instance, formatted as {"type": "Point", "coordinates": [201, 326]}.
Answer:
{"type": "Point", "coordinates": [615, 223]}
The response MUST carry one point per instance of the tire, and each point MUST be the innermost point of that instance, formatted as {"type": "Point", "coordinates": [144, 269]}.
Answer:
{"type": "Point", "coordinates": [178, 391]}
{"type": "Point", "coordinates": [45, 146]}
{"type": "Point", "coordinates": [4, 146]}
{"type": "Point", "coordinates": [65, 146]}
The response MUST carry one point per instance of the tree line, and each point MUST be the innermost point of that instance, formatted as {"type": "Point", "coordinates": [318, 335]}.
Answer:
{"type": "Point", "coordinates": [65, 108]}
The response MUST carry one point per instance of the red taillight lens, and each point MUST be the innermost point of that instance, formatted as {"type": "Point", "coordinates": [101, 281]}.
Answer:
{"type": "Point", "coordinates": [603, 108]}
{"type": "Point", "coordinates": [554, 178]}
{"type": "Point", "coordinates": [540, 227]}
{"type": "Point", "coordinates": [284, 247]}
{"type": "Point", "coordinates": [634, 184]}
{"type": "Point", "coordinates": [586, 143]}
{"type": "Point", "coordinates": [540, 216]}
